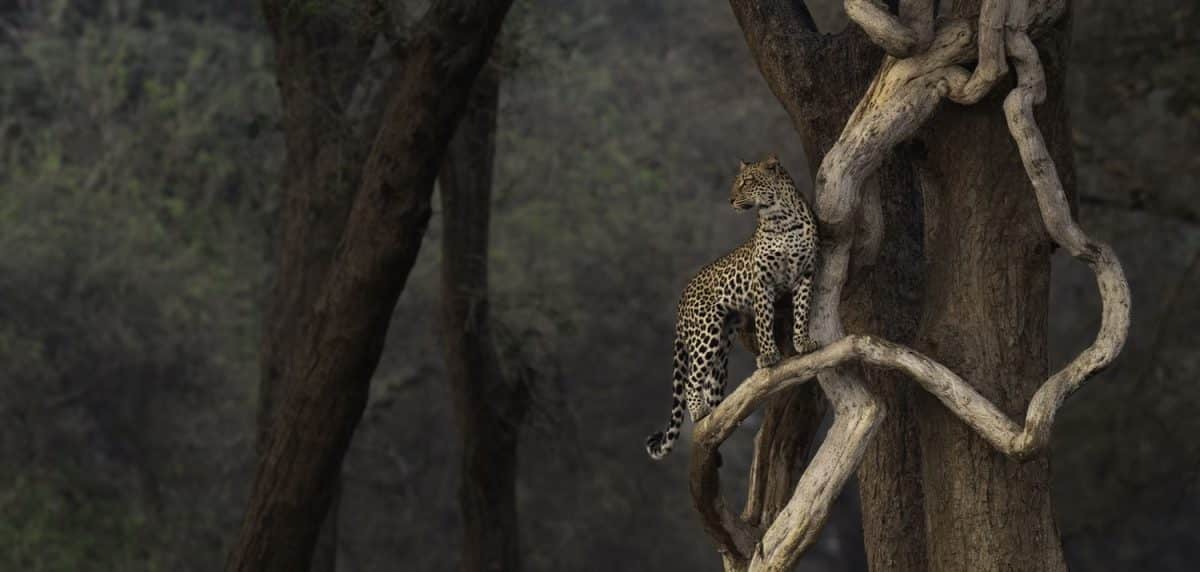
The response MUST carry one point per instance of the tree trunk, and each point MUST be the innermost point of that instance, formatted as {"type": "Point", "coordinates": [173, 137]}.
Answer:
{"type": "Point", "coordinates": [317, 63]}
{"type": "Point", "coordinates": [819, 79]}
{"type": "Point", "coordinates": [328, 368]}
{"type": "Point", "coordinates": [885, 300]}
{"type": "Point", "coordinates": [319, 58]}
{"type": "Point", "coordinates": [968, 507]}
{"type": "Point", "coordinates": [988, 261]}
{"type": "Point", "coordinates": [488, 407]}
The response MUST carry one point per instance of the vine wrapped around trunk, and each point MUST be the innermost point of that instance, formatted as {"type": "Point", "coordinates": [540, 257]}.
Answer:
{"type": "Point", "coordinates": [903, 96]}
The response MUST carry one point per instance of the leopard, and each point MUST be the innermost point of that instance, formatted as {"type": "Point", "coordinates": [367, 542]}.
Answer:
{"type": "Point", "coordinates": [778, 260]}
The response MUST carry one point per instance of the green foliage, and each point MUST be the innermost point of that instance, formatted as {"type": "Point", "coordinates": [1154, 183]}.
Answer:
{"type": "Point", "coordinates": [52, 527]}
{"type": "Point", "coordinates": [137, 156]}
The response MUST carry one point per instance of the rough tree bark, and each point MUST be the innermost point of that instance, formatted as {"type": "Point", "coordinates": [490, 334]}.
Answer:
{"type": "Point", "coordinates": [909, 87]}
{"type": "Point", "coordinates": [818, 78]}
{"type": "Point", "coordinates": [319, 58]}
{"type": "Point", "coordinates": [337, 347]}
{"type": "Point", "coordinates": [488, 407]}
{"type": "Point", "coordinates": [988, 261]}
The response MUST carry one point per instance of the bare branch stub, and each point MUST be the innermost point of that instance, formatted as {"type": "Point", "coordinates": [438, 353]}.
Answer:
{"type": "Point", "coordinates": [903, 96]}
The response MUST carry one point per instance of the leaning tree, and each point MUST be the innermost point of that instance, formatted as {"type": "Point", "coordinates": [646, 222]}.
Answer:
{"type": "Point", "coordinates": [985, 285]}
{"type": "Point", "coordinates": [352, 231]}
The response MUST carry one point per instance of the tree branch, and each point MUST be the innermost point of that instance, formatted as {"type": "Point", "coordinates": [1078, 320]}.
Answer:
{"type": "Point", "coordinates": [790, 421]}
{"type": "Point", "coordinates": [884, 28]}
{"type": "Point", "coordinates": [1018, 442]}
{"type": "Point", "coordinates": [991, 65]}
{"type": "Point", "coordinates": [1056, 215]}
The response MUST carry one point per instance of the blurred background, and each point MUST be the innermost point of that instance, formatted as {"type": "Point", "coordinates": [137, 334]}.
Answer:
{"type": "Point", "coordinates": [140, 154]}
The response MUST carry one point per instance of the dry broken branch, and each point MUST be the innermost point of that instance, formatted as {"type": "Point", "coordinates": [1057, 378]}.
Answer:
{"type": "Point", "coordinates": [902, 97]}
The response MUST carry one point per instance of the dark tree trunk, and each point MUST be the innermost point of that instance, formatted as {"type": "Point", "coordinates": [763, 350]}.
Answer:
{"type": "Point", "coordinates": [488, 408]}
{"type": "Point", "coordinates": [328, 367]}
{"type": "Point", "coordinates": [819, 79]}
{"type": "Point", "coordinates": [988, 261]}
{"type": "Point", "coordinates": [951, 503]}
{"type": "Point", "coordinates": [885, 299]}
{"type": "Point", "coordinates": [318, 61]}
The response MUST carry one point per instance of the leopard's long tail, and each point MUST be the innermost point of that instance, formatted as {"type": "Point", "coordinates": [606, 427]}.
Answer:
{"type": "Point", "coordinates": [659, 444]}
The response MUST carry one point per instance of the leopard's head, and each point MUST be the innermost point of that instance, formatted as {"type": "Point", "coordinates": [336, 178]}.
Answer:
{"type": "Point", "coordinates": [759, 184]}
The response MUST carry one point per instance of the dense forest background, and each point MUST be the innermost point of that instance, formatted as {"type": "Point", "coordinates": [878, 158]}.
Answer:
{"type": "Point", "coordinates": [140, 153]}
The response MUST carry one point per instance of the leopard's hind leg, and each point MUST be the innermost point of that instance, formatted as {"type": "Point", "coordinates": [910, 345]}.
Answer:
{"type": "Point", "coordinates": [718, 373]}
{"type": "Point", "coordinates": [706, 379]}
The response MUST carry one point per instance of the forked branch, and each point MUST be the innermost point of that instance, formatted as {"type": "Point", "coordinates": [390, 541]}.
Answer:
{"type": "Point", "coordinates": [902, 97]}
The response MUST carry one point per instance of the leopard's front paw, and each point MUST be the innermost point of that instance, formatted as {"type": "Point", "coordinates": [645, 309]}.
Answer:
{"type": "Point", "coordinates": [806, 345]}
{"type": "Point", "coordinates": [767, 359]}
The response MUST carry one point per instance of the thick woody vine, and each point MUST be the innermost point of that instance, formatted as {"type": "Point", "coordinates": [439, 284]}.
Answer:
{"type": "Point", "coordinates": [923, 67]}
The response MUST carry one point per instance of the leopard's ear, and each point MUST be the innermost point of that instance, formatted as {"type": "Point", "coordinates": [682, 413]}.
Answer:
{"type": "Point", "coordinates": [772, 159]}
{"type": "Point", "coordinates": [742, 164]}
